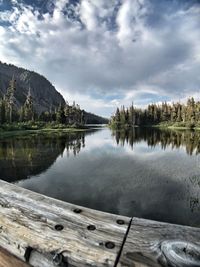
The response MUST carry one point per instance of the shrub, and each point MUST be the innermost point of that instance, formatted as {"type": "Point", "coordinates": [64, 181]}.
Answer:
{"type": "Point", "coordinates": [190, 125]}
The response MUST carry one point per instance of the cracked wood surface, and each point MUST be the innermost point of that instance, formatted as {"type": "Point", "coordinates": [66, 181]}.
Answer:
{"type": "Point", "coordinates": [31, 224]}
{"type": "Point", "coordinates": [156, 244]}
{"type": "Point", "coordinates": [8, 260]}
{"type": "Point", "coordinates": [46, 232]}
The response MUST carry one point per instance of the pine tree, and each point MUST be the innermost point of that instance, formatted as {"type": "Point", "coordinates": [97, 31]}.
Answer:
{"type": "Point", "coordinates": [173, 113]}
{"type": "Point", "coordinates": [132, 115]}
{"type": "Point", "coordinates": [117, 116]}
{"type": "Point", "coordinates": [9, 99]}
{"type": "Point", "coordinates": [184, 115]}
{"type": "Point", "coordinates": [82, 118]}
{"type": "Point", "coordinates": [123, 116]}
{"type": "Point", "coordinates": [60, 115]}
{"type": "Point", "coordinates": [21, 114]}
{"type": "Point", "coordinates": [179, 117]}
{"type": "Point", "coordinates": [28, 107]}
{"type": "Point", "coordinates": [3, 111]}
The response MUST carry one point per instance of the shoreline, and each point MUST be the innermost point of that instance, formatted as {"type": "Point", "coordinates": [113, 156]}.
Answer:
{"type": "Point", "coordinates": [13, 131]}
{"type": "Point", "coordinates": [164, 127]}
{"type": "Point", "coordinates": [20, 132]}
{"type": "Point", "coordinates": [172, 127]}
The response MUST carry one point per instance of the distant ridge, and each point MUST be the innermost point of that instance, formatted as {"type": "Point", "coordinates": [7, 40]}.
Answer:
{"type": "Point", "coordinates": [91, 118]}
{"type": "Point", "coordinates": [45, 96]}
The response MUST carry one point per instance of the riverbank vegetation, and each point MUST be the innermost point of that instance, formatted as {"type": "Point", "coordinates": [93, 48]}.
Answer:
{"type": "Point", "coordinates": [15, 117]}
{"type": "Point", "coordinates": [19, 129]}
{"type": "Point", "coordinates": [19, 117]}
{"type": "Point", "coordinates": [160, 115]}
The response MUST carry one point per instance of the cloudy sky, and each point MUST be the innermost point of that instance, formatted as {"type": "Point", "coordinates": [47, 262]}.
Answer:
{"type": "Point", "coordinates": [105, 53]}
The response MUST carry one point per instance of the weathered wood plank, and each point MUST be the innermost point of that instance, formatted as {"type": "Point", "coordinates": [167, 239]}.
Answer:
{"type": "Point", "coordinates": [32, 224]}
{"type": "Point", "coordinates": [46, 232]}
{"type": "Point", "coordinates": [8, 260]}
{"type": "Point", "coordinates": [155, 244]}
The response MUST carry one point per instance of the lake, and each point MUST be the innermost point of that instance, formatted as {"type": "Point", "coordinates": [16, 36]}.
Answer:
{"type": "Point", "coordinates": [144, 172]}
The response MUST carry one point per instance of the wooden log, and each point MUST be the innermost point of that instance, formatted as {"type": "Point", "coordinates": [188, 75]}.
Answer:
{"type": "Point", "coordinates": [48, 232]}
{"type": "Point", "coordinates": [8, 260]}
{"type": "Point", "coordinates": [154, 244]}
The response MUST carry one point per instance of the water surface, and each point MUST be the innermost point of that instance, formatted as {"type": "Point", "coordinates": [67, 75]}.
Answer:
{"type": "Point", "coordinates": [145, 173]}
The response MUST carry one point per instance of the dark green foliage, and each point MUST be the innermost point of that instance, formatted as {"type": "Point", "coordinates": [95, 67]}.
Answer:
{"type": "Point", "coordinates": [3, 111]}
{"type": "Point", "coordinates": [43, 92]}
{"type": "Point", "coordinates": [38, 150]}
{"type": "Point", "coordinates": [60, 115]}
{"type": "Point", "coordinates": [10, 113]}
{"type": "Point", "coordinates": [9, 99]}
{"type": "Point", "coordinates": [41, 105]}
{"type": "Point", "coordinates": [28, 108]}
{"type": "Point", "coordinates": [176, 114]}
{"type": "Point", "coordinates": [175, 138]}
{"type": "Point", "coordinates": [91, 118]}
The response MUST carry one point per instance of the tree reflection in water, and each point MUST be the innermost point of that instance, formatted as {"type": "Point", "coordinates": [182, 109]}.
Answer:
{"type": "Point", "coordinates": [165, 138]}
{"type": "Point", "coordinates": [33, 154]}
{"type": "Point", "coordinates": [145, 182]}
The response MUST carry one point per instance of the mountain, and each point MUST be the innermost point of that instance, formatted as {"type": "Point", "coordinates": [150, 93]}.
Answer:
{"type": "Point", "coordinates": [43, 92]}
{"type": "Point", "coordinates": [91, 118]}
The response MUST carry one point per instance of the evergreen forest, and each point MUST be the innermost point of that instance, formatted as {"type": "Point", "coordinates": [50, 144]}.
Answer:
{"type": "Point", "coordinates": [11, 113]}
{"type": "Point", "coordinates": [165, 114]}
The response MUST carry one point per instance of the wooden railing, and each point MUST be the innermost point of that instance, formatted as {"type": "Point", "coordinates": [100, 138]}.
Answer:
{"type": "Point", "coordinates": [40, 231]}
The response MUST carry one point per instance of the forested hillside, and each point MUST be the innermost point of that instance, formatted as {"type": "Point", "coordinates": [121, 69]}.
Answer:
{"type": "Point", "coordinates": [44, 94]}
{"type": "Point", "coordinates": [26, 96]}
{"type": "Point", "coordinates": [11, 112]}
{"type": "Point", "coordinates": [91, 118]}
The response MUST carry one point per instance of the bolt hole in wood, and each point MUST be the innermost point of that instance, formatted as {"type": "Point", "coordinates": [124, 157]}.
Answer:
{"type": "Point", "coordinates": [59, 227]}
{"type": "Point", "coordinates": [120, 222]}
{"type": "Point", "coordinates": [91, 227]}
{"type": "Point", "coordinates": [181, 254]}
{"type": "Point", "coordinates": [110, 245]}
{"type": "Point", "coordinates": [77, 210]}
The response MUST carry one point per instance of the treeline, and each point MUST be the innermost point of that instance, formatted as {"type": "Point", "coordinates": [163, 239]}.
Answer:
{"type": "Point", "coordinates": [177, 114]}
{"type": "Point", "coordinates": [9, 113]}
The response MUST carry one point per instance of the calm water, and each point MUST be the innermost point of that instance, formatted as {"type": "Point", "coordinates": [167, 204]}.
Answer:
{"type": "Point", "coordinates": [146, 173]}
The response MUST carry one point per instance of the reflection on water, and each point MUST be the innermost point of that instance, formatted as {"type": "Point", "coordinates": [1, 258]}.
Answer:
{"type": "Point", "coordinates": [165, 138]}
{"type": "Point", "coordinates": [145, 173]}
{"type": "Point", "coordinates": [21, 157]}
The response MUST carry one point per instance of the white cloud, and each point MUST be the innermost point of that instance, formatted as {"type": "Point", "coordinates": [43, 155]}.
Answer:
{"type": "Point", "coordinates": [107, 53]}
{"type": "Point", "coordinates": [130, 20]}
{"type": "Point", "coordinates": [88, 14]}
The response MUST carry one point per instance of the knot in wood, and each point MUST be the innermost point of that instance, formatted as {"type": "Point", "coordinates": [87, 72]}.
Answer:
{"type": "Point", "coordinates": [181, 253]}
{"type": "Point", "coordinates": [57, 259]}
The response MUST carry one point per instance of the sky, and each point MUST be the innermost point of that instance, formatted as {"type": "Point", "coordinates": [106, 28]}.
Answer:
{"type": "Point", "coordinates": [107, 53]}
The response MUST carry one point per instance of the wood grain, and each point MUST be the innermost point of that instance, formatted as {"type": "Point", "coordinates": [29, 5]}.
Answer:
{"type": "Point", "coordinates": [45, 232]}
{"type": "Point", "coordinates": [8, 260]}
{"type": "Point", "coordinates": [156, 244]}
{"type": "Point", "coordinates": [27, 228]}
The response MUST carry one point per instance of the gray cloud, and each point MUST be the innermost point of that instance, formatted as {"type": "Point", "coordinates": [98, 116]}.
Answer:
{"type": "Point", "coordinates": [105, 53]}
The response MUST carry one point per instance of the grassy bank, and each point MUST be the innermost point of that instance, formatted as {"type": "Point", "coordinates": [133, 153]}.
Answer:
{"type": "Point", "coordinates": [17, 129]}
{"type": "Point", "coordinates": [163, 125]}
{"type": "Point", "coordinates": [177, 125]}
